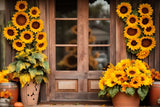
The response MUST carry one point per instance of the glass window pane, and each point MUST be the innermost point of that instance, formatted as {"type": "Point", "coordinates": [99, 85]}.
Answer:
{"type": "Point", "coordinates": [99, 9]}
{"type": "Point", "coordinates": [100, 32]}
{"type": "Point", "coordinates": [66, 9]}
{"type": "Point", "coordinates": [98, 57]}
{"type": "Point", "coordinates": [66, 58]}
{"type": "Point", "coordinates": [66, 32]}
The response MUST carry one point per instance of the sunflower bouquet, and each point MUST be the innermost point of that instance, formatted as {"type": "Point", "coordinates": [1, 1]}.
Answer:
{"type": "Point", "coordinates": [139, 29]}
{"type": "Point", "coordinates": [5, 94]}
{"type": "Point", "coordinates": [128, 76]}
{"type": "Point", "coordinates": [25, 30]}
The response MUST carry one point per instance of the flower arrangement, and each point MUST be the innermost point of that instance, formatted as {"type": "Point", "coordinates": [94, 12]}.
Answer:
{"type": "Point", "coordinates": [139, 29]}
{"type": "Point", "coordinates": [5, 94]}
{"type": "Point", "coordinates": [128, 76]}
{"type": "Point", "coordinates": [3, 76]}
{"type": "Point", "coordinates": [155, 75]}
{"type": "Point", "coordinates": [26, 35]}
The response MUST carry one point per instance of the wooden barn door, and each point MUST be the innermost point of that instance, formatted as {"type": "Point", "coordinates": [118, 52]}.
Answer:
{"type": "Point", "coordinates": [80, 45]}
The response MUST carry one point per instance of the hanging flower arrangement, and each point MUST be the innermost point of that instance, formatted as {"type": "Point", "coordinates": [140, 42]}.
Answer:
{"type": "Point", "coordinates": [25, 30]}
{"type": "Point", "coordinates": [139, 29]}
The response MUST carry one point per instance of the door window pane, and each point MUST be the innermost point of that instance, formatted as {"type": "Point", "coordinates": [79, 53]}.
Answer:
{"type": "Point", "coordinates": [98, 57]}
{"type": "Point", "coordinates": [66, 9]}
{"type": "Point", "coordinates": [66, 32]}
{"type": "Point", "coordinates": [100, 32]}
{"type": "Point", "coordinates": [99, 9]}
{"type": "Point", "coordinates": [66, 58]}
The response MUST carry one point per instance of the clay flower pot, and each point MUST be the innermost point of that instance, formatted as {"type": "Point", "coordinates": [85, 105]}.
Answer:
{"type": "Point", "coordinates": [124, 100]}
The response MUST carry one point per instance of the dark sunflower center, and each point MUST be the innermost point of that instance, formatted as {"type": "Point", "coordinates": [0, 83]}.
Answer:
{"type": "Point", "coordinates": [142, 79]}
{"type": "Point", "coordinates": [19, 44]}
{"type": "Point", "coordinates": [27, 36]}
{"type": "Point", "coordinates": [144, 10]}
{"type": "Point", "coordinates": [72, 60]}
{"type": "Point", "coordinates": [118, 75]}
{"type": "Point", "coordinates": [132, 31]}
{"type": "Point", "coordinates": [34, 12]}
{"type": "Point", "coordinates": [40, 37]}
{"type": "Point", "coordinates": [148, 29]}
{"type": "Point", "coordinates": [112, 82]}
{"type": "Point", "coordinates": [123, 9]}
{"type": "Point", "coordinates": [123, 65]}
{"type": "Point", "coordinates": [145, 21]}
{"type": "Point", "coordinates": [10, 32]}
{"type": "Point", "coordinates": [132, 20]}
{"type": "Point", "coordinates": [21, 20]}
{"type": "Point", "coordinates": [132, 72]}
{"type": "Point", "coordinates": [133, 43]}
{"type": "Point", "coordinates": [21, 6]}
{"type": "Point", "coordinates": [135, 82]}
{"type": "Point", "coordinates": [35, 25]}
{"type": "Point", "coordinates": [146, 42]}
{"type": "Point", "coordinates": [41, 45]}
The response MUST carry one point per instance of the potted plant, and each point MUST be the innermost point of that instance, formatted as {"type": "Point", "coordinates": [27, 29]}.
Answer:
{"type": "Point", "coordinates": [129, 79]}
{"type": "Point", "coordinates": [31, 67]}
{"type": "Point", "coordinates": [5, 98]}
{"type": "Point", "coordinates": [154, 93]}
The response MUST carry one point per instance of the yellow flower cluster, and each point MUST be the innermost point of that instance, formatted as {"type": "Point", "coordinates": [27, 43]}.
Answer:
{"type": "Point", "coordinates": [26, 28]}
{"type": "Point", "coordinates": [5, 94]}
{"type": "Point", "coordinates": [139, 28]}
{"type": "Point", "coordinates": [127, 73]}
{"type": "Point", "coordinates": [3, 75]}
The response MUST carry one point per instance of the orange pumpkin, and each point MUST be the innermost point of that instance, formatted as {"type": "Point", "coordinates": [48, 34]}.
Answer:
{"type": "Point", "coordinates": [18, 104]}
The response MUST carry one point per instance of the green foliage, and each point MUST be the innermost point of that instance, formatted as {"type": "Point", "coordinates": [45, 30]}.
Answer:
{"type": "Point", "coordinates": [143, 91]}
{"type": "Point", "coordinates": [113, 91]}
{"type": "Point", "coordinates": [130, 91]}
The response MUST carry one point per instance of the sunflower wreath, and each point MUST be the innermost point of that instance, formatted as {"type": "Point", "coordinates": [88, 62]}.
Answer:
{"type": "Point", "coordinates": [139, 29]}
{"type": "Point", "coordinates": [25, 30]}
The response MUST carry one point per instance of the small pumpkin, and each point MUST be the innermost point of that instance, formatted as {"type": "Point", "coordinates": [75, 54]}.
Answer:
{"type": "Point", "coordinates": [18, 104]}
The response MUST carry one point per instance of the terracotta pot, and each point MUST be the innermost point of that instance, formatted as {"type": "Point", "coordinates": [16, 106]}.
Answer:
{"type": "Point", "coordinates": [154, 93]}
{"type": "Point", "coordinates": [124, 100]}
{"type": "Point", "coordinates": [12, 87]}
{"type": "Point", "coordinates": [30, 94]}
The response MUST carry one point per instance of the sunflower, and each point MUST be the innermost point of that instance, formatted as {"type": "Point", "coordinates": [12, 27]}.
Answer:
{"type": "Point", "coordinates": [74, 29]}
{"type": "Point", "coordinates": [34, 12]}
{"type": "Point", "coordinates": [143, 54]}
{"type": "Point", "coordinates": [21, 5]}
{"type": "Point", "coordinates": [41, 46]}
{"type": "Point", "coordinates": [132, 32]}
{"type": "Point", "coordinates": [145, 21]}
{"type": "Point", "coordinates": [18, 45]}
{"type": "Point", "coordinates": [134, 44]}
{"type": "Point", "coordinates": [119, 74]}
{"type": "Point", "coordinates": [145, 9]}
{"type": "Point", "coordinates": [41, 37]}
{"type": "Point", "coordinates": [36, 25]}
{"type": "Point", "coordinates": [147, 43]}
{"type": "Point", "coordinates": [123, 64]}
{"type": "Point", "coordinates": [139, 64]}
{"type": "Point", "coordinates": [132, 71]}
{"type": "Point", "coordinates": [132, 20]}
{"type": "Point", "coordinates": [27, 36]}
{"type": "Point", "coordinates": [135, 82]}
{"type": "Point", "coordinates": [10, 33]}
{"type": "Point", "coordinates": [150, 30]}
{"type": "Point", "coordinates": [110, 82]}
{"type": "Point", "coordinates": [20, 20]}
{"type": "Point", "coordinates": [70, 60]}
{"type": "Point", "coordinates": [101, 83]}
{"type": "Point", "coordinates": [145, 79]}
{"type": "Point", "coordinates": [124, 9]}
{"type": "Point", "coordinates": [71, 49]}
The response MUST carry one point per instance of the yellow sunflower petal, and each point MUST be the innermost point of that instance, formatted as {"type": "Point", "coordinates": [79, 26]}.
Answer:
{"type": "Point", "coordinates": [27, 36]}
{"type": "Point", "coordinates": [10, 33]}
{"type": "Point", "coordinates": [124, 9]}
{"type": "Point", "coordinates": [34, 12]}
{"type": "Point", "coordinates": [147, 43]}
{"type": "Point", "coordinates": [143, 54]}
{"type": "Point", "coordinates": [21, 5]}
{"type": "Point", "coordinates": [41, 37]}
{"type": "Point", "coordinates": [150, 30]}
{"type": "Point", "coordinates": [134, 44]}
{"type": "Point", "coordinates": [36, 25]}
{"type": "Point", "coordinates": [145, 21]}
{"type": "Point", "coordinates": [41, 46]}
{"type": "Point", "coordinates": [132, 20]}
{"type": "Point", "coordinates": [132, 71]}
{"type": "Point", "coordinates": [145, 9]}
{"type": "Point", "coordinates": [20, 20]}
{"type": "Point", "coordinates": [132, 32]}
{"type": "Point", "coordinates": [18, 45]}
